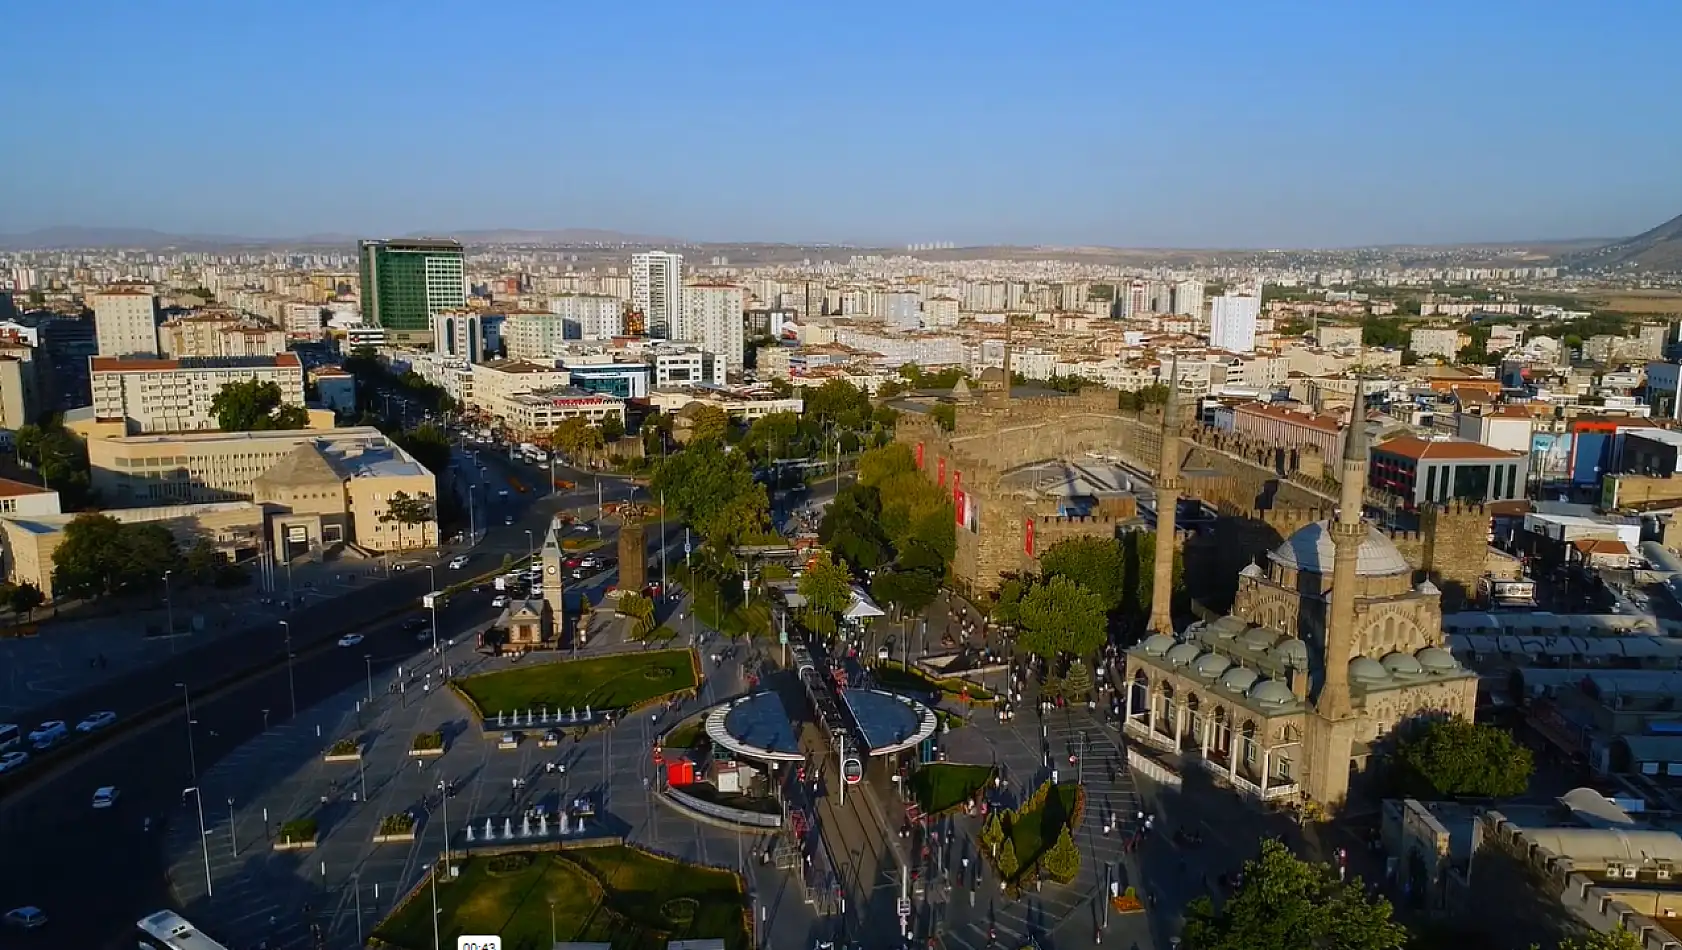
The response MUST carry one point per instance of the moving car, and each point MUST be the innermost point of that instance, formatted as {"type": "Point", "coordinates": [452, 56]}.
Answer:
{"type": "Point", "coordinates": [105, 797]}
{"type": "Point", "coordinates": [458, 562]}
{"type": "Point", "coordinates": [12, 760]}
{"type": "Point", "coordinates": [499, 601]}
{"type": "Point", "coordinates": [96, 721]}
{"type": "Point", "coordinates": [26, 918]}
{"type": "Point", "coordinates": [49, 734]}
{"type": "Point", "coordinates": [507, 519]}
{"type": "Point", "coordinates": [350, 639]}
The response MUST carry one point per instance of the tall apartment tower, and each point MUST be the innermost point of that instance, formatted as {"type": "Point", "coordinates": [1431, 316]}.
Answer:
{"type": "Point", "coordinates": [406, 283]}
{"type": "Point", "coordinates": [125, 322]}
{"type": "Point", "coordinates": [1188, 297]}
{"type": "Point", "coordinates": [657, 290]}
{"type": "Point", "coordinates": [712, 317]}
{"type": "Point", "coordinates": [1232, 322]}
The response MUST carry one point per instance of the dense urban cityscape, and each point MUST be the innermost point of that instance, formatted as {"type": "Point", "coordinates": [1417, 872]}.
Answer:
{"type": "Point", "coordinates": [818, 477]}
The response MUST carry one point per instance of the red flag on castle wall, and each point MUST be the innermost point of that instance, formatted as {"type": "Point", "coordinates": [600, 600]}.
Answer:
{"type": "Point", "coordinates": [919, 455]}
{"type": "Point", "coordinates": [1029, 545]}
{"type": "Point", "coordinates": [940, 476]}
{"type": "Point", "coordinates": [958, 509]}
{"type": "Point", "coordinates": [957, 481]}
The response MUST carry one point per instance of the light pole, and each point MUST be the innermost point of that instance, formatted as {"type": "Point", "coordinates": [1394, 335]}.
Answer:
{"type": "Point", "coordinates": [204, 838]}
{"type": "Point", "coordinates": [368, 660]}
{"type": "Point", "coordinates": [435, 944]}
{"type": "Point", "coordinates": [444, 801]}
{"type": "Point", "coordinates": [530, 547]}
{"type": "Point", "coordinates": [192, 753]}
{"type": "Point", "coordinates": [291, 680]}
{"type": "Point", "coordinates": [356, 882]}
{"type": "Point", "coordinates": [233, 836]}
{"type": "Point", "coordinates": [552, 940]}
{"type": "Point", "coordinates": [169, 611]}
{"type": "Point", "coordinates": [432, 576]}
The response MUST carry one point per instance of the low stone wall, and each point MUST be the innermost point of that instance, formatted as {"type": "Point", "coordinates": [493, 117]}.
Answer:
{"type": "Point", "coordinates": [734, 818]}
{"type": "Point", "coordinates": [1152, 769]}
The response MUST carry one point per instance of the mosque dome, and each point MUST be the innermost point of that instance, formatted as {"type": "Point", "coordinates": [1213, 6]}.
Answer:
{"type": "Point", "coordinates": [1365, 669]}
{"type": "Point", "coordinates": [1211, 665]}
{"type": "Point", "coordinates": [1239, 680]}
{"type": "Point", "coordinates": [1182, 654]}
{"type": "Point", "coordinates": [1310, 548]}
{"type": "Point", "coordinates": [1437, 660]}
{"type": "Point", "coordinates": [1292, 653]}
{"type": "Point", "coordinates": [1157, 644]}
{"type": "Point", "coordinates": [1272, 693]}
{"type": "Point", "coordinates": [1258, 638]}
{"type": "Point", "coordinates": [1400, 664]}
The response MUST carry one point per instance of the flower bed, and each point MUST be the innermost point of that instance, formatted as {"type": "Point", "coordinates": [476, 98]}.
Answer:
{"type": "Point", "coordinates": [398, 827]}
{"type": "Point", "coordinates": [427, 743]}
{"type": "Point", "coordinates": [344, 750]}
{"type": "Point", "coordinates": [297, 833]}
{"type": "Point", "coordinates": [1127, 903]}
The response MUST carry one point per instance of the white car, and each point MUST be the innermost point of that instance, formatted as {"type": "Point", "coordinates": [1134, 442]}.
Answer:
{"type": "Point", "coordinates": [26, 918]}
{"type": "Point", "coordinates": [499, 601]}
{"type": "Point", "coordinates": [12, 760]}
{"type": "Point", "coordinates": [105, 797]}
{"type": "Point", "coordinates": [97, 721]}
{"type": "Point", "coordinates": [350, 639]}
{"type": "Point", "coordinates": [457, 563]}
{"type": "Point", "coordinates": [49, 734]}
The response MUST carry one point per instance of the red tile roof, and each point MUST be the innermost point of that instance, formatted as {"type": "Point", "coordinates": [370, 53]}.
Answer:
{"type": "Point", "coordinates": [1414, 447]}
{"type": "Point", "coordinates": [13, 489]}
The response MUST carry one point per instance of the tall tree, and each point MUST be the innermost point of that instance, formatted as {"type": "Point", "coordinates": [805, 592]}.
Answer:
{"type": "Point", "coordinates": [1060, 616]}
{"type": "Point", "coordinates": [100, 555]}
{"type": "Point", "coordinates": [708, 423]}
{"type": "Point", "coordinates": [1286, 903]}
{"type": "Point", "coordinates": [255, 405]}
{"type": "Point", "coordinates": [406, 511]}
{"type": "Point", "coordinates": [1097, 564]}
{"type": "Point", "coordinates": [826, 586]}
{"type": "Point", "coordinates": [1457, 757]}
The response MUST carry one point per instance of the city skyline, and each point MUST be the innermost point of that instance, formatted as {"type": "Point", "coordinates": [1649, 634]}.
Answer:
{"type": "Point", "coordinates": [1265, 125]}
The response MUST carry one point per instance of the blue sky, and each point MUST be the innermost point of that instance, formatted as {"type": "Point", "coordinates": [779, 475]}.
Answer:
{"type": "Point", "coordinates": [1240, 123]}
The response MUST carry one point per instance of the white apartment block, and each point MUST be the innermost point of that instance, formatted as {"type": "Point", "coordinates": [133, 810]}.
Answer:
{"type": "Point", "coordinates": [545, 410]}
{"type": "Point", "coordinates": [302, 321]}
{"type": "Point", "coordinates": [453, 376]}
{"type": "Point", "coordinates": [688, 367]}
{"type": "Point", "coordinates": [924, 349]}
{"type": "Point", "coordinates": [154, 395]}
{"type": "Point", "coordinates": [1427, 341]}
{"type": "Point", "coordinates": [1188, 298]}
{"type": "Point", "coordinates": [657, 290]}
{"type": "Point", "coordinates": [1232, 322]}
{"type": "Point", "coordinates": [125, 322]}
{"type": "Point", "coordinates": [456, 334]}
{"type": "Point", "coordinates": [897, 309]}
{"type": "Point", "coordinates": [712, 317]}
{"type": "Point", "coordinates": [218, 336]}
{"type": "Point", "coordinates": [941, 311]}
{"type": "Point", "coordinates": [589, 316]}
{"type": "Point", "coordinates": [496, 382]}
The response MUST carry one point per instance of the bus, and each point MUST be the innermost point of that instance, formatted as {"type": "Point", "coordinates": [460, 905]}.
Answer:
{"type": "Point", "coordinates": [167, 930]}
{"type": "Point", "coordinates": [10, 735]}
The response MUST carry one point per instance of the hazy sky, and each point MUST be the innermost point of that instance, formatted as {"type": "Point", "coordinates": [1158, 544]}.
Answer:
{"type": "Point", "coordinates": [1240, 123]}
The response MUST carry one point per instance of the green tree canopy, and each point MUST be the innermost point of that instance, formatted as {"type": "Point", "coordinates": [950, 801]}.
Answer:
{"type": "Point", "coordinates": [59, 456]}
{"type": "Point", "coordinates": [826, 586]}
{"type": "Point", "coordinates": [1059, 616]}
{"type": "Point", "coordinates": [255, 405]}
{"type": "Point", "coordinates": [429, 445]}
{"type": "Point", "coordinates": [708, 423]}
{"type": "Point", "coordinates": [1094, 563]}
{"type": "Point", "coordinates": [1286, 903]}
{"type": "Point", "coordinates": [838, 404]}
{"type": "Point", "coordinates": [101, 555]}
{"type": "Point", "coordinates": [713, 490]}
{"type": "Point", "coordinates": [1615, 939]}
{"type": "Point", "coordinates": [575, 436]}
{"type": "Point", "coordinates": [1457, 757]}
{"type": "Point", "coordinates": [612, 428]}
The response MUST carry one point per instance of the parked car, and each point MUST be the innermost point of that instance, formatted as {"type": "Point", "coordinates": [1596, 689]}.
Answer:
{"type": "Point", "coordinates": [26, 918]}
{"type": "Point", "coordinates": [458, 562]}
{"type": "Point", "coordinates": [350, 639]}
{"type": "Point", "coordinates": [499, 601]}
{"type": "Point", "coordinates": [98, 720]}
{"type": "Point", "coordinates": [105, 797]}
{"type": "Point", "coordinates": [49, 734]}
{"type": "Point", "coordinates": [12, 760]}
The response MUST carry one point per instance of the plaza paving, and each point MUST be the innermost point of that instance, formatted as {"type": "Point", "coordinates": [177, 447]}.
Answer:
{"type": "Point", "coordinates": [347, 883]}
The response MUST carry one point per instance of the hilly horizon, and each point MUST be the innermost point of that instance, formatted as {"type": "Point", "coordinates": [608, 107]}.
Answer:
{"type": "Point", "coordinates": [1657, 249]}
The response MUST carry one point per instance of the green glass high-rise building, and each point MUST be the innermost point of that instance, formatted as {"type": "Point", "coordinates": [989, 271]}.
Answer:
{"type": "Point", "coordinates": [405, 282]}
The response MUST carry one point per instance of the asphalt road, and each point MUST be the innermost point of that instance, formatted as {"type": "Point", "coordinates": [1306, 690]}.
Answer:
{"type": "Point", "coordinates": [99, 871]}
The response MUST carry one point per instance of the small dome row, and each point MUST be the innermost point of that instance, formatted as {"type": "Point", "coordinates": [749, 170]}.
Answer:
{"type": "Point", "coordinates": [1293, 654]}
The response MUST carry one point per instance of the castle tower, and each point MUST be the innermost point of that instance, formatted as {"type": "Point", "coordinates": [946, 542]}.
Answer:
{"type": "Point", "coordinates": [1348, 532]}
{"type": "Point", "coordinates": [553, 558]}
{"type": "Point", "coordinates": [1168, 487]}
{"type": "Point", "coordinates": [998, 396]}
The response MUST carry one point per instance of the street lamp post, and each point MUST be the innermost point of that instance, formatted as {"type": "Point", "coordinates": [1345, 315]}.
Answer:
{"type": "Point", "coordinates": [204, 838]}
{"type": "Point", "coordinates": [368, 660]}
{"type": "Point", "coordinates": [444, 800]}
{"type": "Point", "coordinates": [291, 680]}
{"type": "Point", "coordinates": [432, 576]}
{"type": "Point", "coordinates": [530, 548]}
{"type": "Point", "coordinates": [233, 835]}
{"type": "Point", "coordinates": [169, 611]}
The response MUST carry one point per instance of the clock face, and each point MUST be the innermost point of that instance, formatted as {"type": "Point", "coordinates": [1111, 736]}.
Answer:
{"type": "Point", "coordinates": [551, 568]}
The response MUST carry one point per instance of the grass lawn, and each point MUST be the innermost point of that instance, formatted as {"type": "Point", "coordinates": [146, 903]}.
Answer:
{"type": "Point", "coordinates": [604, 682]}
{"type": "Point", "coordinates": [897, 676]}
{"type": "Point", "coordinates": [942, 785]}
{"type": "Point", "coordinates": [1037, 831]}
{"type": "Point", "coordinates": [661, 634]}
{"type": "Point", "coordinates": [647, 901]}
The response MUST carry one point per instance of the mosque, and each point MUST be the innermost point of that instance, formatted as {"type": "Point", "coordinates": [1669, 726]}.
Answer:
{"type": "Point", "coordinates": [1329, 648]}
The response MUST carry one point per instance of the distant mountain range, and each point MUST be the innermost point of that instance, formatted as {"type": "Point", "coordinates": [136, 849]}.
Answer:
{"type": "Point", "coordinates": [148, 239]}
{"type": "Point", "coordinates": [1657, 250]}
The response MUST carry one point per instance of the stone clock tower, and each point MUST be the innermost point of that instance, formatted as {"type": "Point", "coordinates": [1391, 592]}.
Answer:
{"type": "Point", "coordinates": [553, 559]}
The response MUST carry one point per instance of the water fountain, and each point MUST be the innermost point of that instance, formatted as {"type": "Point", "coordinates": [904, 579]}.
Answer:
{"type": "Point", "coordinates": [490, 833]}
{"type": "Point", "coordinates": [543, 825]}
{"type": "Point", "coordinates": [508, 827]}
{"type": "Point", "coordinates": [564, 829]}
{"type": "Point", "coordinates": [525, 827]}
{"type": "Point", "coordinates": [545, 719]}
{"type": "Point", "coordinates": [499, 722]}
{"type": "Point", "coordinates": [586, 712]}
{"type": "Point", "coordinates": [469, 832]}
{"type": "Point", "coordinates": [572, 714]}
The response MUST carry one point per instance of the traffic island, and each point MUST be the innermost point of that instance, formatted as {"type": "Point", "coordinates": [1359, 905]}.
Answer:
{"type": "Point", "coordinates": [395, 828]}
{"type": "Point", "coordinates": [1035, 841]}
{"type": "Point", "coordinates": [297, 835]}
{"type": "Point", "coordinates": [626, 896]}
{"type": "Point", "coordinates": [943, 787]}
{"type": "Point", "coordinates": [344, 750]}
{"type": "Point", "coordinates": [427, 744]}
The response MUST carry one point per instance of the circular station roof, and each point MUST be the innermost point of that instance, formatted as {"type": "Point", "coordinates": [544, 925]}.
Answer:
{"type": "Point", "coordinates": [758, 726]}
